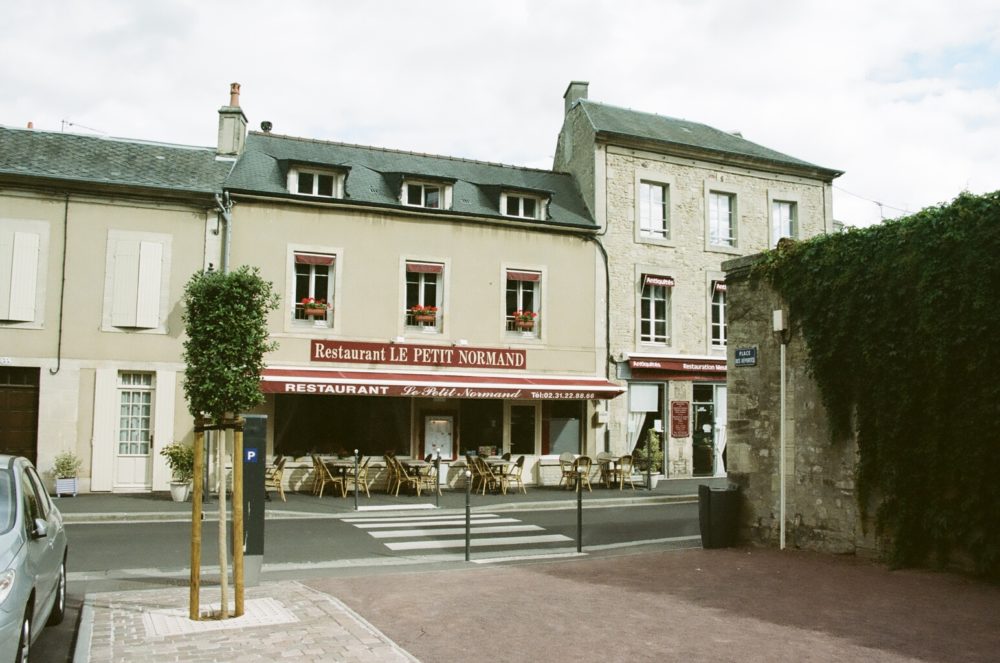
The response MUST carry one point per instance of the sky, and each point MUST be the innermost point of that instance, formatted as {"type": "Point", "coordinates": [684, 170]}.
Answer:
{"type": "Point", "coordinates": [904, 97]}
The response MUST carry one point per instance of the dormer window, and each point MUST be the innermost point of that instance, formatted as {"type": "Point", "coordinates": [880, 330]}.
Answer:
{"type": "Point", "coordinates": [318, 183]}
{"type": "Point", "coordinates": [521, 205]}
{"type": "Point", "coordinates": [432, 195]}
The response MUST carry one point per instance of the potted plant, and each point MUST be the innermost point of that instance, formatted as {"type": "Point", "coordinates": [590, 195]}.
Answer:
{"type": "Point", "coordinates": [314, 308]}
{"type": "Point", "coordinates": [525, 320]}
{"type": "Point", "coordinates": [180, 459]}
{"type": "Point", "coordinates": [649, 458]}
{"type": "Point", "coordinates": [65, 469]}
{"type": "Point", "coordinates": [424, 314]}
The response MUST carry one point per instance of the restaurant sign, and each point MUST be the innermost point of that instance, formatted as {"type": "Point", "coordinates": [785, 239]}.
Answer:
{"type": "Point", "coordinates": [680, 418]}
{"type": "Point", "coordinates": [410, 354]}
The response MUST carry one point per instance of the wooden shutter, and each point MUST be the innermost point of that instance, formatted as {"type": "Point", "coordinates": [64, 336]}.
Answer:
{"type": "Point", "coordinates": [147, 307]}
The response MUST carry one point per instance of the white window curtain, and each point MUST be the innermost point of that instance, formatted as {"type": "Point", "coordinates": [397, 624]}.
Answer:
{"type": "Point", "coordinates": [635, 420]}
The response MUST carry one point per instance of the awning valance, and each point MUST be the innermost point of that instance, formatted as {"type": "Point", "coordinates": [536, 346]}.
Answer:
{"type": "Point", "coordinates": [312, 259]}
{"type": "Point", "coordinates": [519, 275]}
{"type": "Point", "coordinates": [657, 280]}
{"type": "Point", "coordinates": [434, 385]}
{"type": "Point", "coordinates": [424, 267]}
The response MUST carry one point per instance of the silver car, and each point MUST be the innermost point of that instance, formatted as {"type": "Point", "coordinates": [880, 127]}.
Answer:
{"type": "Point", "coordinates": [32, 559]}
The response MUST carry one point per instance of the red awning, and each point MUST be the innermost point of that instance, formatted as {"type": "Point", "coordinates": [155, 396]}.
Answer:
{"type": "Point", "coordinates": [678, 368]}
{"type": "Point", "coordinates": [654, 280]}
{"type": "Point", "coordinates": [312, 259]}
{"type": "Point", "coordinates": [518, 275]}
{"type": "Point", "coordinates": [424, 267]}
{"type": "Point", "coordinates": [433, 385]}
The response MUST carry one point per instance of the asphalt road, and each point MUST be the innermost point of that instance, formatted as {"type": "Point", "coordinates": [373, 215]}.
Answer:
{"type": "Point", "coordinates": [123, 555]}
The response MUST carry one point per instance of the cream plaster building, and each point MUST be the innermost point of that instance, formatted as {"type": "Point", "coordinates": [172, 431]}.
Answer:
{"type": "Point", "coordinates": [673, 200]}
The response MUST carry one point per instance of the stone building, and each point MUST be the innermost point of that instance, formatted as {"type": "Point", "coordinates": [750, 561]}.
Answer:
{"type": "Point", "coordinates": [821, 505]}
{"type": "Point", "coordinates": [673, 199]}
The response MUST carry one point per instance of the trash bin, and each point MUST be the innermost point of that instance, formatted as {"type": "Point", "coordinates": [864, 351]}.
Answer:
{"type": "Point", "coordinates": [718, 511]}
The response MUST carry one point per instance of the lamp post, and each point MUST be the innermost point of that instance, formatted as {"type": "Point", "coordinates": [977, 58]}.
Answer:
{"type": "Point", "coordinates": [468, 513]}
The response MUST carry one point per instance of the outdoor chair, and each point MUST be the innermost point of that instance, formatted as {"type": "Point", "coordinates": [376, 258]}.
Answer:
{"type": "Point", "coordinates": [603, 461]}
{"type": "Point", "coordinates": [566, 469]}
{"type": "Point", "coordinates": [273, 477]}
{"type": "Point", "coordinates": [317, 478]}
{"type": "Point", "coordinates": [581, 472]}
{"type": "Point", "coordinates": [484, 475]}
{"type": "Point", "coordinates": [623, 473]}
{"type": "Point", "coordinates": [390, 474]}
{"type": "Point", "coordinates": [327, 477]}
{"type": "Point", "coordinates": [361, 478]}
{"type": "Point", "coordinates": [428, 479]}
{"type": "Point", "coordinates": [513, 475]}
{"type": "Point", "coordinates": [404, 477]}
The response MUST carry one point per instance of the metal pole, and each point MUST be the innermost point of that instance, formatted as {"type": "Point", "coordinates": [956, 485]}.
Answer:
{"type": "Point", "coordinates": [357, 458]}
{"type": "Point", "coordinates": [468, 513]}
{"type": "Point", "coordinates": [649, 459]}
{"type": "Point", "coordinates": [579, 510]}
{"type": "Point", "coordinates": [437, 478]}
{"type": "Point", "coordinates": [238, 539]}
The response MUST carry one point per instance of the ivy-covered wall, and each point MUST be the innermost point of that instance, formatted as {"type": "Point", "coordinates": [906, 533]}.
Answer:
{"type": "Point", "coordinates": [900, 325]}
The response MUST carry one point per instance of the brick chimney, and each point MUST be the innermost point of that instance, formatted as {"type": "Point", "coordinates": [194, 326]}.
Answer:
{"type": "Point", "coordinates": [232, 124]}
{"type": "Point", "coordinates": [577, 90]}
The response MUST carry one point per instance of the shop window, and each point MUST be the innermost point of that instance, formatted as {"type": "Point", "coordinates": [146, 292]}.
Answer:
{"type": "Point", "coordinates": [338, 425]}
{"type": "Point", "coordinates": [646, 424]}
{"type": "Point", "coordinates": [523, 302]}
{"type": "Point", "coordinates": [654, 309]}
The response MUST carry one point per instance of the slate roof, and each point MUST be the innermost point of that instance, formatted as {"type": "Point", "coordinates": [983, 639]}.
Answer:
{"type": "Point", "coordinates": [374, 177]}
{"type": "Point", "coordinates": [112, 161]}
{"type": "Point", "coordinates": [615, 121]}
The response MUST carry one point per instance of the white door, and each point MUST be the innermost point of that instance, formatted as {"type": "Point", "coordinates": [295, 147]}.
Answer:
{"type": "Point", "coordinates": [438, 434]}
{"type": "Point", "coordinates": [133, 457]}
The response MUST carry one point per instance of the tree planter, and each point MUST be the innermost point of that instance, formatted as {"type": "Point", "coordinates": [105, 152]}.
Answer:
{"type": "Point", "coordinates": [179, 491]}
{"type": "Point", "coordinates": [66, 486]}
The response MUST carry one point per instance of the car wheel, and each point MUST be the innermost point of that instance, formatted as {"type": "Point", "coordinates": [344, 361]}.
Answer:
{"type": "Point", "coordinates": [59, 607]}
{"type": "Point", "coordinates": [24, 643]}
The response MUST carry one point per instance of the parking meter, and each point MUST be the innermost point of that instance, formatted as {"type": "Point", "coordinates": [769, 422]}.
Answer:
{"type": "Point", "coordinates": [254, 466]}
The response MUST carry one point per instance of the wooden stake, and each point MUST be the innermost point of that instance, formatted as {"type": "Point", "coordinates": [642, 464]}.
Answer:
{"type": "Point", "coordinates": [238, 515]}
{"type": "Point", "coordinates": [223, 541]}
{"type": "Point", "coordinates": [199, 467]}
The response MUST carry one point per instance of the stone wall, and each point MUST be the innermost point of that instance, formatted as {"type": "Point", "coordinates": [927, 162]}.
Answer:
{"type": "Point", "coordinates": [821, 506]}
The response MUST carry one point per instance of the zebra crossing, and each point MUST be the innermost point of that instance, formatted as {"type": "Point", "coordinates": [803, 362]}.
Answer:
{"type": "Point", "coordinates": [414, 533]}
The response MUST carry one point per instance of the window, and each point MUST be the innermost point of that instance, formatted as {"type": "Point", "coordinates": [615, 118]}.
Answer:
{"type": "Point", "coordinates": [654, 316]}
{"type": "Point", "coordinates": [19, 255]}
{"type": "Point", "coordinates": [523, 301]}
{"type": "Point", "coordinates": [135, 413]}
{"type": "Point", "coordinates": [783, 221]}
{"type": "Point", "coordinates": [137, 279]}
{"type": "Point", "coordinates": [653, 210]}
{"type": "Point", "coordinates": [721, 219]}
{"type": "Point", "coordinates": [315, 183]}
{"type": "Point", "coordinates": [314, 277]}
{"type": "Point", "coordinates": [426, 194]}
{"type": "Point", "coordinates": [423, 295]}
{"type": "Point", "coordinates": [718, 314]}
{"type": "Point", "coordinates": [519, 205]}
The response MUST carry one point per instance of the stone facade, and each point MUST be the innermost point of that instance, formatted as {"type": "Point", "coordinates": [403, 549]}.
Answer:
{"type": "Point", "coordinates": [821, 505]}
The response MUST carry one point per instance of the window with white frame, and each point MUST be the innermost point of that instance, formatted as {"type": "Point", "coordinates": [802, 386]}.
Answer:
{"type": "Point", "coordinates": [319, 183]}
{"type": "Point", "coordinates": [718, 314]}
{"type": "Point", "coordinates": [523, 301]}
{"type": "Point", "coordinates": [137, 280]}
{"type": "Point", "coordinates": [521, 205]}
{"type": "Point", "coordinates": [19, 258]}
{"type": "Point", "coordinates": [135, 413]}
{"type": "Point", "coordinates": [654, 311]}
{"type": "Point", "coordinates": [423, 295]}
{"type": "Point", "coordinates": [432, 195]}
{"type": "Point", "coordinates": [314, 281]}
{"type": "Point", "coordinates": [783, 221]}
{"type": "Point", "coordinates": [653, 210]}
{"type": "Point", "coordinates": [721, 219]}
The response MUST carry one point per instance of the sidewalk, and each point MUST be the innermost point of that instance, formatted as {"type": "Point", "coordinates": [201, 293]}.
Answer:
{"type": "Point", "coordinates": [743, 605]}
{"type": "Point", "coordinates": [92, 507]}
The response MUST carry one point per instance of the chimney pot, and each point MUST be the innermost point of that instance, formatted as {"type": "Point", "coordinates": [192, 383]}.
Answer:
{"type": "Point", "coordinates": [234, 95]}
{"type": "Point", "coordinates": [31, 125]}
{"type": "Point", "coordinates": [577, 90]}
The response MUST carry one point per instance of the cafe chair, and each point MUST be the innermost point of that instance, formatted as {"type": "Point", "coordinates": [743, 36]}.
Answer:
{"type": "Point", "coordinates": [404, 477]}
{"type": "Point", "coordinates": [506, 456]}
{"type": "Point", "coordinates": [317, 477]}
{"type": "Point", "coordinates": [327, 477]}
{"type": "Point", "coordinates": [566, 469]}
{"type": "Point", "coordinates": [429, 480]}
{"type": "Point", "coordinates": [273, 477]}
{"type": "Point", "coordinates": [484, 475]}
{"type": "Point", "coordinates": [361, 478]}
{"type": "Point", "coordinates": [604, 461]}
{"type": "Point", "coordinates": [623, 473]}
{"type": "Point", "coordinates": [581, 472]}
{"type": "Point", "coordinates": [513, 475]}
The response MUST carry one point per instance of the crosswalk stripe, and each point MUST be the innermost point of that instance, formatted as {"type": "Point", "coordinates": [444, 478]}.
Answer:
{"type": "Point", "coordinates": [422, 519]}
{"type": "Point", "coordinates": [438, 523]}
{"type": "Point", "coordinates": [475, 531]}
{"type": "Point", "coordinates": [477, 543]}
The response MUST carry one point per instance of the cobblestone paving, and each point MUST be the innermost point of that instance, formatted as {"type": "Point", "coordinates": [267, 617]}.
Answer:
{"type": "Point", "coordinates": [298, 624]}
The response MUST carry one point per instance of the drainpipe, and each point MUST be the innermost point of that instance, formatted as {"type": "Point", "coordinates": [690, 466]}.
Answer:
{"type": "Point", "coordinates": [225, 207]}
{"type": "Point", "coordinates": [62, 286]}
{"type": "Point", "coordinates": [780, 327]}
{"type": "Point", "coordinates": [607, 322]}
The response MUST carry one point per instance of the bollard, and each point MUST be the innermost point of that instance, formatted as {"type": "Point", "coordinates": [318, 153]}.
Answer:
{"type": "Point", "coordinates": [357, 459]}
{"type": "Point", "coordinates": [579, 511]}
{"type": "Point", "coordinates": [468, 513]}
{"type": "Point", "coordinates": [437, 478]}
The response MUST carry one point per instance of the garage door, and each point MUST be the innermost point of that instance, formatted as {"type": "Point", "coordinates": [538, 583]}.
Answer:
{"type": "Point", "coordinates": [19, 411]}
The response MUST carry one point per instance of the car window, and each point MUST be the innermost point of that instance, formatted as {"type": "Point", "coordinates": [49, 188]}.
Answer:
{"type": "Point", "coordinates": [43, 497]}
{"type": "Point", "coordinates": [6, 500]}
{"type": "Point", "coordinates": [31, 511]}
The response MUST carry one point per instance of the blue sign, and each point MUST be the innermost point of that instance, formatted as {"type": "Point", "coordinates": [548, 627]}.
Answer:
{"type": "Point", "coordinates": [746, 356]}
{"type": "Point", "coordinates": [249, 455]}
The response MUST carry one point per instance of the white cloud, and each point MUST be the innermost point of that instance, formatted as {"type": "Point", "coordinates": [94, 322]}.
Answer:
{"type": "Point", "coordinates": [902, 96]}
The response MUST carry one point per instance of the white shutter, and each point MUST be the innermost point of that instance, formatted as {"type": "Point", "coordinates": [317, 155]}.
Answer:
{"type": "Point", "coordinates": [23, 277]}
{"type": "Point", "coordinates": [6, 271]}
{"type": "Point", "coordinates": [147, 309]}
{"type": "Point", "coordinates": [126, 283]}
{"type": "Point", "coordinates": [104, 444]}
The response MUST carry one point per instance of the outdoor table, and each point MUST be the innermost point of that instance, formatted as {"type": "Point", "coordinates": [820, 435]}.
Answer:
{"type": "Point", "coordinates": [608, 466]}
{"type": "Point", "coordinates": [340, 466]}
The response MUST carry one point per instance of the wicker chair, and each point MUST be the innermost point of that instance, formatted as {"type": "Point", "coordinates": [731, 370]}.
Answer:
{"type": "Point", "coordinates": [581, 472]}
{"type": "Point", "coordinates": [361, 478]}
{"type": "Point", "coordinates": [623, 473]}
{"type": "Point", "coordinates": [273, 477]}
{"type": "Point", "coordinates": [327, 477]}
{"type": "Point", "coordinates": [513, 475]}
{"type": "Point", "coordinates": [568, 473]}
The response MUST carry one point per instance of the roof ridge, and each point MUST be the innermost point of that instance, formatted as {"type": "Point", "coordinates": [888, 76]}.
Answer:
{"type": "Point", "coordinates": [117, 139]}
{"type": "Point", "coordinates": [665, 117]}
{"type": "Point", "coordinates": [407, 152]}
